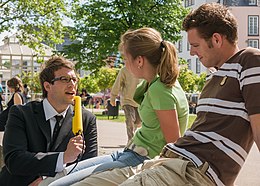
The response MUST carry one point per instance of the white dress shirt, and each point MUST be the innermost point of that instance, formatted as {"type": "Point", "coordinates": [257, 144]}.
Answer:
{"type": "Point", "coordinates": [50, 114]}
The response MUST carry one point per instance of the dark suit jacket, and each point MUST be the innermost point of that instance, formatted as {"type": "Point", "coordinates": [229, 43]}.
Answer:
{"type": "Point", "coordinates": [27, 140]}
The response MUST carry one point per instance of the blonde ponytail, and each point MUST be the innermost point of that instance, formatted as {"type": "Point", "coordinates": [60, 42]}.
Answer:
{"type": "Point", "coordinates": [168, 68]}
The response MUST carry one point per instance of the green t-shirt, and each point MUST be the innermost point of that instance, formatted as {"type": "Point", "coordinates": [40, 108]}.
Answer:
{"type": "Point", "coordinates": [158, 97]}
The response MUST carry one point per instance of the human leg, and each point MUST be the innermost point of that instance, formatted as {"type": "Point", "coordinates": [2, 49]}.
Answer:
{"type": "Point", "coordinates": [74, 176]}
{"type": "Point", "coordinates": [127, 158]}
{"type": "Point", "coordinates": [122, 159]}
{"type": "Point", "coordinates": [163, 172]}
{"type": "Point", "coordinates": [108, 178]}
{"type": "Point", "coordinates": [172, 172]}
{"type": "Point", "coordinates": [118, 159]}
{"type": "Point", "coordinates": [129, 120]}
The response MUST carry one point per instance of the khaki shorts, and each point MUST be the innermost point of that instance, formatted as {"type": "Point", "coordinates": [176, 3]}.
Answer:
{"type": "Point", "coordinates": [161, 172]}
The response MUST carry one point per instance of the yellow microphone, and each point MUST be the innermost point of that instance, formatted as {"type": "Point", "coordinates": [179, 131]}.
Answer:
{"type": "Point", "coordinates": [77, 127]}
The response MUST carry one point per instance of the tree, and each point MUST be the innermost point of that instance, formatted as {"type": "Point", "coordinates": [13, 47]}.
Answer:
{"type": "Point", "coordinates": [102, 80]}
{"type": "Point", "coordinates": [89, 83]}
{"type": "Point", "coordinates": [99, 24]}
{"type": "Point", "coordinates": [106, 78]}
{"type": "Point", "coordinates": [34, 20]}
{"type": "Point", "coordinates": [201, 81]}
{"type": "Point", "coordinates": [189, 81]}
{"type": "Point", "coordinates": [32, 81]}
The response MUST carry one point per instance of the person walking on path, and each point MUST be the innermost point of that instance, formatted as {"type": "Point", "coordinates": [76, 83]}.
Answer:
{"type": "Point", "coordinates": [164, 118]}
{"type": "Point", "coordinates": [216, 146]}
{"type": "Point", "coordinates": [125, 85]}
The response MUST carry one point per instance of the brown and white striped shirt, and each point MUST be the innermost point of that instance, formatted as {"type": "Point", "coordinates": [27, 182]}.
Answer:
{"type": "Point", "coordinates": [221, 134]}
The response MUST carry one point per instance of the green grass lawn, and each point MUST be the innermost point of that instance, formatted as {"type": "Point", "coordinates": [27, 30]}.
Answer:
{"type": "Point", "coordinates": [121, 118]}
{"type": "Point", "coordinates": [192, 117]}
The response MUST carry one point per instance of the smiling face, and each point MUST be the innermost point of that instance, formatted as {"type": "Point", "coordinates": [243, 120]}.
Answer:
{"type": "Point", "coordinates": [207, 51]}
{"type": "Point", "coordinates": [60, 92]}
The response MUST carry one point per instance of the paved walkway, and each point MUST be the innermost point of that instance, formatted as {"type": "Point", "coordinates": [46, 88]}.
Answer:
{"type": "Point", "coordinates": [112, 136]}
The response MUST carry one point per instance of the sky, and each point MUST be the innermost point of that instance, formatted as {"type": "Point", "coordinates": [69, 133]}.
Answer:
{"type": "Point", "coordinates": [2, 35]}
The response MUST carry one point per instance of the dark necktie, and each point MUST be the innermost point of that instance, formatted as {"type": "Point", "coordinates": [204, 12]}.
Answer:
{"type": "Point", "coordinates": [56, 129]}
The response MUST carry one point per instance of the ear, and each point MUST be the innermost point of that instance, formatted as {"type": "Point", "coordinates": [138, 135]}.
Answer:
{"type": "Point", "coordinates": [47, 86]}
{"type": "Point", "coordinates": [140, 61]}
{"type": "Point", "coordinates": [217, 39]}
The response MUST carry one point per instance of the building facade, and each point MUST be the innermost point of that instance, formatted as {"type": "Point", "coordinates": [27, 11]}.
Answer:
{"type": "Point", "coordinates": [16, 58]}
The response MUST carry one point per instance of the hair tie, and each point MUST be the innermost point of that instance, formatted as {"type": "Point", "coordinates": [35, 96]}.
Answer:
{"type": "Point", "coordinates": [162, 45]}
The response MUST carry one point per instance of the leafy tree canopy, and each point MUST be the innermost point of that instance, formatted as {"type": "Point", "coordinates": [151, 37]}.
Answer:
{"type": "Point", "coordinates": [99, 24]}
{"type": "Point", "coordinates": [89, 83]}
{"type": "Point", "coordinates": [34, 20]}
{"type": "Point", "coordinates": [32, 80]}
{"type": "Point", "coordinates": [106, 77]}
{"type": "Point", "coordinates": [189, 81]}
{"type": "Point", "coordinates": [101, 81]}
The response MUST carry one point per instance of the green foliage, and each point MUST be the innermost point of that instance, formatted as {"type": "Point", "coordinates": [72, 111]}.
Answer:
{"type": "Point", "coordinates": [189, 81]}
{"type": "Point", "coordinates": [100, 23]}
{"type": "Point", "coordinates": [106, 77]}
{"type": "Point", "coordinates": [102, 80]}
{"type": "Point", "coordinates": [35, 20]}
{"type": "Point", "coordinates": [32, 80]}
{"type": "Point", "coordinates": [89, 83]}
{"type": "Point", "coordinates": [201, 81]}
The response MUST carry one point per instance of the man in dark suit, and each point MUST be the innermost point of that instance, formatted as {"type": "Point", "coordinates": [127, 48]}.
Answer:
{"type": "Point", "coordinates": [30, 150]}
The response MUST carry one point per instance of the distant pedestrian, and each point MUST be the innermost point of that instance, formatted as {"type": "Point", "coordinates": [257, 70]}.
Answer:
{"type": "Point", "coordinates": [15, 87]}
{"type": "Point", "coordinates": [125, 85]}
{"type": "Point", "coordinates": [85, 97]}
{"type": "Point", "coordinates": [26, 93]}
{"type": "Point", "coordinates": [1, 97]}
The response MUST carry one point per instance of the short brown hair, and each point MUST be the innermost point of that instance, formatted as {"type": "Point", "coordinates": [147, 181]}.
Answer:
{"type": "Point", "coordinates": [52, 65]}
{"type": "Point", "coordinates": [212, 18]}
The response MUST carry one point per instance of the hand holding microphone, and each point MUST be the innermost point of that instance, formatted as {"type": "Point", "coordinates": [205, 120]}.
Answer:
{"type": "Point", "coordinates": [76, 144]}
{"type": "Point", "coordinates": [74, 149]}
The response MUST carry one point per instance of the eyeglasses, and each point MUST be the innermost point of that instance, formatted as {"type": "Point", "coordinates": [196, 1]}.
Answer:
{"type": "Point", "coordinates": [65, 79]}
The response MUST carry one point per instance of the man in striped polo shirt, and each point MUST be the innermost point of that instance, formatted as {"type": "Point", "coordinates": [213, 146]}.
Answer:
{"type": "Point", "coordinates": [215, 148]}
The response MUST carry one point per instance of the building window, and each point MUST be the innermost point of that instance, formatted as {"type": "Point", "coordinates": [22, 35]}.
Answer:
{"type": "Point", "coordinates": [253, 43]}
{"type": "Point", "coordinates": [189, 63]}
{"type": "Point", "coordinates": [252, 2]}
{"type": "Point", "coordinates": [197, 66]}
{"type": "Point", "coordinates": [189, 3]}
{"type": "Point", "coordinates": [253, 25]}
{"type": "Point", "coordinates": [180, 45]}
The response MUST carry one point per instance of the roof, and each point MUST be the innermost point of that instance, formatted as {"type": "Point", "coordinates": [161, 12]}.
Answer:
{"type": "Point", "coordinates": [13, 47]}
